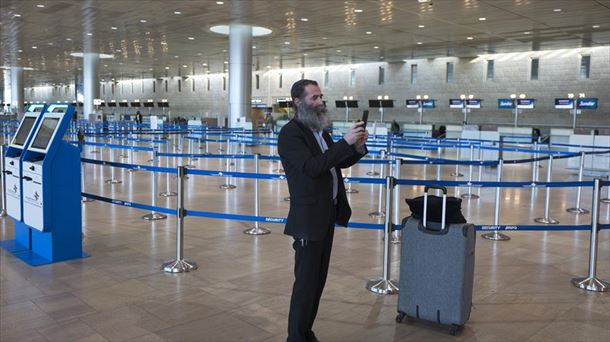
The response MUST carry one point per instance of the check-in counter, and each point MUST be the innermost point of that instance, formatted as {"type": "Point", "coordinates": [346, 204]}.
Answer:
{"type": "Point", "coordinates": [423, 130]}
{"type": "Point", "coordinates": [486, 138]}
{"type": "Point", "coordinates": [453, 131]}
{"type": "Point", "coordinates": [516, 134]}
{"type": "Point", "coordinates": [561, 136]}
{"type": "Point", "coordinates": [596, 164]}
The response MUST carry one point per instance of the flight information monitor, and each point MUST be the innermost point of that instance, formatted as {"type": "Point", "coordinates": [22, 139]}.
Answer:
{"type": "Point", "coordinates": [564, 103]}
{"type": "Point", "coordinates": [346, 103]}
{"type": "Point", "coordinates": [456, 103]}
{"type": "Point", "coordinates": [506, 103]}
{"type": "Point", "coordinates": [149, 104]}
{"type": "Point", "coordinates": [473, 103]}
{"type": "Point", "coordinates": [525, 103]}
{"type": "Point", "coordinates": [428, 103]}
{"type": "Point", "coordinates": [24, 130]}
{"type": "Point", "coordinates": [412, 104]}
{"type": "Point", "coordinates": [45, 133]}
{"type": "Point", "coordinates": [381, 103]}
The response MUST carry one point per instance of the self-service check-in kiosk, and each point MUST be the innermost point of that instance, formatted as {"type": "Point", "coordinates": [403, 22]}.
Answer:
{"type": "Point", "coordinates": [12, 177]}
{"type": "Point", "coordinates": [51, 192]}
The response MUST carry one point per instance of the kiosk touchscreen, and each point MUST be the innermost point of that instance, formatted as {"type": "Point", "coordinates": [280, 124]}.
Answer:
{"type": "Point", "coordinates": [52, 190]}
{"type": "Point", "coordinates": [13, 160]}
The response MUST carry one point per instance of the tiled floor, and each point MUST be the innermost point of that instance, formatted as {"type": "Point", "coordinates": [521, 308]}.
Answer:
{"type": "Point", "coordinates": [241, 290]}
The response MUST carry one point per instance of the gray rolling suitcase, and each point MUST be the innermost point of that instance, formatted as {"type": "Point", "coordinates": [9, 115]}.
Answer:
{"type": "Point", "coordinates": [436, 269]}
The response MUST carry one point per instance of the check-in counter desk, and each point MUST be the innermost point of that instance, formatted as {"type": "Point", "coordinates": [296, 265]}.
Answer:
{"type": "Point", "coordinates": [424, 130]}
{"type": "Point", "coordinates": [516, 134]}
{"type": "Point", "coordinates": [596, 164]}
{"type": "Point", "coordinates": [453, 131]}
{"type": "Point", "coordinates": [486, 138]}
{"type": "Point", "coordinates": [561, 136]}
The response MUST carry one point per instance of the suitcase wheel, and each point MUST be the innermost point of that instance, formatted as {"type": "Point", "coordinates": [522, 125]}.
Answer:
{"type": "Point", "coordinates": [454, 329]}
{"type": "Point", "coordinates": [401, 315]}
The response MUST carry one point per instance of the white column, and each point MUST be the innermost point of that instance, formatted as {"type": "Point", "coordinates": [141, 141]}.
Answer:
{"type": "Point", "coordinates": [240, 71]}
{"type": "Point", "coordinates": [91, 84]}
{"type": "Point", "coordinates": [6, 95]}
{"type": "Point", "coordinates": [17, 91]}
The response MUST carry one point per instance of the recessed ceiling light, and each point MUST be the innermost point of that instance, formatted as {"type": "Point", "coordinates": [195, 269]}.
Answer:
{"type": "Point", "coordinates": [482, 19]}
{"type": "Point", "coordinates": [375, 47]}
{"type": "Point", "coordinates": [150, 69]}
{"type": "Point", "coordinates": [177, 12]}
{"type": "Point", "coordinates": [105, 65]}
{"type": "Point", "coordinates": [220, 2]}
{"type": "Point", "coordinates": [419, 43]}
{"type": "Point", "coordinates": [40, 6]}
{"type": "Point", "coordinates": [142, 20]}
{"type": "Point", "coordinates": [118, 50]}
{"type": "Point", "coordinates": [304, 54]}
{"type": "Point", "coordinates": [420, 26]}
{"type": "Point", "coordinates": [114, 28]}
{"type": "Point", "coordinates": [381, 57]}
{"type": "Point", "coordinates": [358, 10]}
{"type": "Point", "coordinates": [286, 43]}
{"type": "Point", "coordinates": [224, 50]}
{"type": "Point", "coordinates": [254, 46]}
{"type": "Point", "coordinates": [338, 50]}
{"type": "Point", "coordinates": [20, 50]}
{"type": "Point", "coordinates": [89, 34]}
{"type": "Point", "coordinates": [469, 38]}
{"type": "Point", "coordinates": [423, 1]}
{"type": "Point", "coordinates": [166, 68]}
{"type": "Point", "coordinates": [185, 66]}
{"type": "Point", "coordinates": [324, 38]}
{"type": "Point", "coordinates": [176, 56]}
{"type": "Point", "coordinates": [369, 32]}
{"type": "Point", "coordinates": [191, 38]}
{"type": "Point", "coordinates": [163, 43]}
{"type": "Point", "coordinates": [268, 67]}
{"type": "Point", "coordinates": [16, 15]}
{"type": "Point", "coordinates": [527, 32]}
{"type": "Point", "coordinates": [595, 26]}
{"type": "Point", "coordinates": [226, 62]}
{"type": "Point", "coordinates": [557, 10]}
{"type": "Point", "coordinates": [205, 64]}
{"type": "Point", "coordinates": [34, 47]}
{"type": "Point", "coordinates": [50, 43]}
{"type": "Point", "coordinates": [304, 19]}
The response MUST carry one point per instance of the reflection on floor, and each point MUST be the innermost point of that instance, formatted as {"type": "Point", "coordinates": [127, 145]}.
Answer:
{"type": "Point", "coordinates": [241, 291]}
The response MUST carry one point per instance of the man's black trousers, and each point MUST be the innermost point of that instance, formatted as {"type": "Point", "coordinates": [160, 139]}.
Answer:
{"type": "Point", "coordinates": [311, 262]}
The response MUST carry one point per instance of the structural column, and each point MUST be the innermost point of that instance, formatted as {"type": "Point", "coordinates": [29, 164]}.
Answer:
{"type": "Point", "coordinates": [6, 95]}
{"type": "Point", "coordinates": [91, 84]}
{"type": "Point", "coordinates": [240, 71]}
{"type": "Point", "coordinates": [17, 91]}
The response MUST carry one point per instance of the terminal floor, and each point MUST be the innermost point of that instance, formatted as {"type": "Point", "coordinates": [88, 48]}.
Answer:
{"type": "Point", "coordinates": [241, 291]}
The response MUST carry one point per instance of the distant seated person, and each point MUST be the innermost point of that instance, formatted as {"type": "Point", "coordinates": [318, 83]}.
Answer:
{"type": "Point", "coordinates": [395, 128]}
{"type": "Point", "coordinates": [441, 133]}
{"type": "Point", "coordinates": [538, 137]}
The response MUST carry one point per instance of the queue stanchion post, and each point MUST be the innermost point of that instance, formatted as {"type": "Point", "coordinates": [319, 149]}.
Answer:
{"type": "Point", "coordinates": [496, 236]}
{"type": "Point", "coordinates": [349, 189]}
{"type": "Point", "coordinates": [578, 209]}
{"type": "Point", "coordinates": [385, 285]}
{"type": "Point", "coordinates": [180, 265]}
{"type": "Point", "coordinates": [457, 173]}
{"type": "Point", "coordinates": [380, 212]}
{"type": "Point", "coordinates": [396, 210]}
{"type": "Point", "coordinates": [168, 191]}
{"type": "Point", "coordinates": [131, 159]}
{"type": "Point", "coordinates": [112, 180]}
{"type": "Point", "coordinates": [279, 167]}
{"type": "Point", "coordinates": [480, 172]}
{"type": "Point", "coordinates": [470, 195]}
{"type": "Point", "coordinates": [373, 172]}
{"type": "Point", "coordinates": [257, 229]}
{"type": "Point", "coordinates": [607, 198]}
{"type": "Point", "coordinates": [153, 215]}
{"type": "Point", "coordinates": [2, 151]}
{"type": "Point", "coordinates": [592, 282]}
{"type": "Point", "coordinates": [535, 163]}
{"type": "Point", "coordinates": [547, 201]}
{"type": "Point", "coordinates": [227, 184]}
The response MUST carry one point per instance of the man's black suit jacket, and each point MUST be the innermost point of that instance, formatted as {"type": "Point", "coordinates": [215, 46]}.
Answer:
{"type": "Point", "coordinates": [310, 180]}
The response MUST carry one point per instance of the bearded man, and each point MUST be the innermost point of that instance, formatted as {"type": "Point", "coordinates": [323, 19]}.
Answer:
{"type": "Point", "coordinates": [313, 163]}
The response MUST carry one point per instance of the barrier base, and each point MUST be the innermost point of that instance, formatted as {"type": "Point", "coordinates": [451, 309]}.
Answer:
{"type": "Point", "coordinates": [84, 200]}
{"type": "Point", "coordinates": [256, 230]}
{"type": "Point", "coordinates": [94, 152]}
{"type": "Point", "coordinates": [123, 156]}
{"type": "Point", "coordinates": [113, 181]}
{"type": "Point", "coordinates": [3, 213]}
{"type": "Point", "coordinates": [168, 194]}
{"type": "Point", "coordinates": [377, 214]}
{"type": "Point", "coordinates": [278, 171]}
{"type": "Point", "coordinates": [133, 170]}
{"type": "Point", "coordinates": [605, 200]}
{"type": "Point", "coordinates": [469, 196]}
{"type": "Point", "coordinates": [495, 236]}
{"type": "Point", "coordinates": [179, 266]}
{"type": "Point", "coordinates": [154, 216]}
{"type": "Point", "coordinates": [591, 284]}
{"type": "Point", "coordinates": [373, 173]}
{"type": "Point", "coordinates": [456, 174]}
{"type": "Point", "coordinates": [228, 186]}
{"type": "Point", "coordinates": [382, 286]}
{"type": "Point", "coordinates": [577, 211]}
{"type": "Point", "coordinates": [546, 220]}
{"type": "Point", "coordinates": [351, 191]}
{"type": "Point", "coordinates": [287, 199]}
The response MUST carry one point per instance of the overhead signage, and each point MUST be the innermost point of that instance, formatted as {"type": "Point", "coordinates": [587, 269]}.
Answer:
{"type": "Point", "coordinates": [505, 104]}
{"type": "Point", "coordinates": [428, 103]}
{"type": "Point", "coordinates": [525, 103]}
{"type": "Point", "coordinates": [473, 103]}
{"type": "Point", "coordinates": [564, 103]}
{"type": "Point", "coordinates": [412, 104]}
{"type": "Point", "coordinates": [586, 103]}
{"type": "Point", "coordinates": [456, 103]}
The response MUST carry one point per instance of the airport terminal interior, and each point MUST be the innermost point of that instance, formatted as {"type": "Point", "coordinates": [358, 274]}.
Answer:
{"type": "Point", "coordinates": [143, 197]}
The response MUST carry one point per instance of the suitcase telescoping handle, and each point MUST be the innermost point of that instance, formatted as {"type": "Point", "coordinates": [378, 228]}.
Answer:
{"type": "Point", "coordinates": [444, 190]}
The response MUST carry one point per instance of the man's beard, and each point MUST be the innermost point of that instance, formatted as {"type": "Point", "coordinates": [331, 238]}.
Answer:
{"type": "Point", "coordinates": [314, 117]}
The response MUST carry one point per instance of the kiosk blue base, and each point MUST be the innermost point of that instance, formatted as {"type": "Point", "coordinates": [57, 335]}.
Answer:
{"type": "Point", "coordinates": [21, 242]}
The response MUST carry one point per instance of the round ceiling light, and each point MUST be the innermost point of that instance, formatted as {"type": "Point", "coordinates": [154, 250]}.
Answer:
{"type": "Point", "coordinates": [257, 31]}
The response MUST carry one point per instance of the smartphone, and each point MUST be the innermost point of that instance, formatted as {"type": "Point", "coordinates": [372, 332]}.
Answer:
{"type": "Point", "coordinates": [365, 118]}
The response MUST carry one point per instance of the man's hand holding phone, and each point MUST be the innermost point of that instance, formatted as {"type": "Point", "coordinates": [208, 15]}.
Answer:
{"type": "Point", "coordinates": [356, 133]}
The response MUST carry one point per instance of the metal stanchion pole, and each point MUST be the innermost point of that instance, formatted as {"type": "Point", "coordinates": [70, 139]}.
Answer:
{"type": "Point", "coordinates": [349, 189]}
{"type": "Point", "coordinates": [2, 151]}
{"type": "Point", "coordinates": [373, 172]}
{"type": "Point", "coordinates": [256, 230]}
{"type": "Point", "coordinates": [180, 265]}
{"type": "Point", "coordinates": [227, 185]}
{"type": "Point", "coordinates": [480, 172]}
{"type": "Point", "coordinates": [380, 212]}
{"type": "Point", "coordinates": [535, 163]}
{"type": "Point", "coordinates": [396, 210]}
{"type": "Point", "coordinates": [495, 236]}
{"type": "Point", "coordinates": [168, 192]}
{"type": "Point", "coordinates": [607, 198]}
{"type": "Point", "coordinates": [549, 175]}
{"type": "Point", "coordinates": [385, 285]}
{"type": "Point", "coordinates": [578, 209]}
{"type": "Point", "coordinates": [592, 282]}
{"type": "Point", "coordinates": [153, 216]}
{"type": "Point", "coordinates": [457, 173]}
{"type": "Point", "coordinates": [470, 195]}
{"type": "Point", "coordinates": [112, 180]}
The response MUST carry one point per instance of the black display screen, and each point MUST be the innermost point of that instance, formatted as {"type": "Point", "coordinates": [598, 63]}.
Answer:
{"type": "Point", "coordinates": [45, 132]}
{"type": "Point", "coordinates": [24, 130]}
